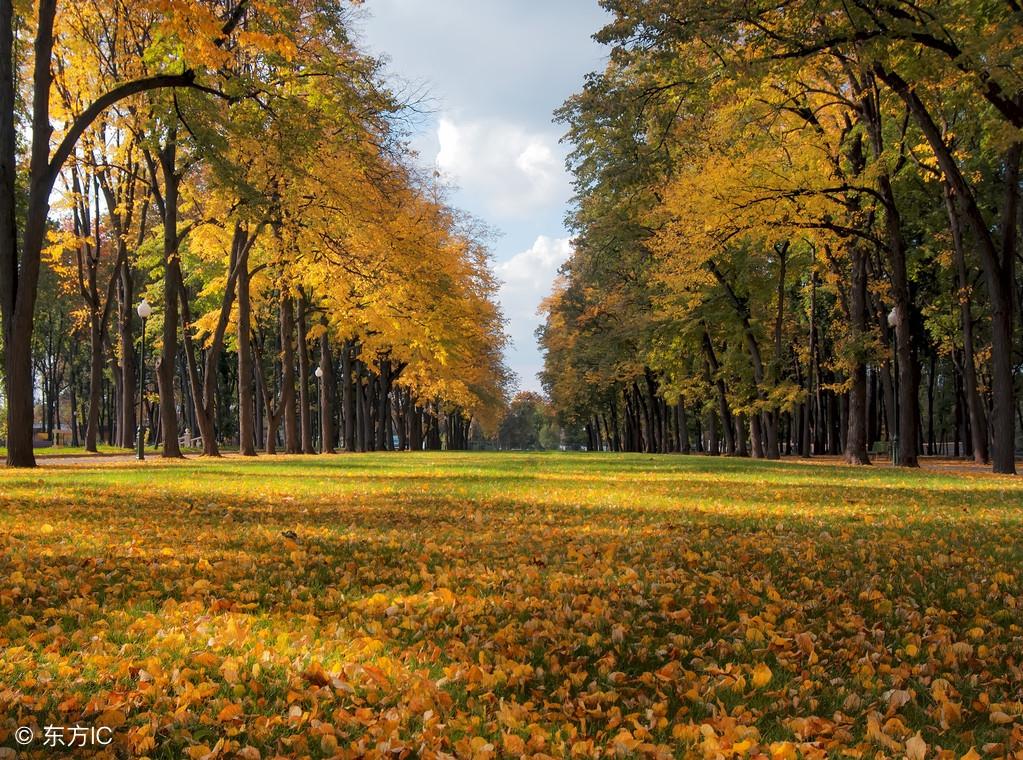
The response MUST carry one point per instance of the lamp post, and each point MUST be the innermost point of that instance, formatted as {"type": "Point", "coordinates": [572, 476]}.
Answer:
{"type": "Point", "coordinates": [893, 321]}
{"type": "Point", "coordinates": [319, 398]}
{"type": "Point", "coordinates": [144, 310]}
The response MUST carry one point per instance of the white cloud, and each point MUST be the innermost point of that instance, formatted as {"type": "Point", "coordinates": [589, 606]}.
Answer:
{"type": "Point", "coordinates": [510, 170]}
{"type": "Point", "coordinates": [527, 278]}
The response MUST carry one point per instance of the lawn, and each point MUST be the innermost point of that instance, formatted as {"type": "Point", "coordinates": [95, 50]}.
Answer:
{"type": "Point", "coordinates": [72, 451]}
{"type": "Point", "coordinates": [512, 604]}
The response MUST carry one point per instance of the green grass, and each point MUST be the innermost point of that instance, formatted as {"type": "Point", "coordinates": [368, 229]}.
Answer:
{"type": "Point", "coordinates": [539, 603]}
{"type": "Point", "coordinates": [73, 451]}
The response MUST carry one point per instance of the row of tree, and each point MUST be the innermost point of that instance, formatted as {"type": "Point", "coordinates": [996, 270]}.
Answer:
{"type": "Point", "coordinates": [243, 167]}
{"type": "Point", "coordinates": [797, 231]}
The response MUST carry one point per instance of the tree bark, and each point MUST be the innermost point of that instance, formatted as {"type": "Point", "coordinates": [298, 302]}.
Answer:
{"type": "Point", "coordinates": [246, 401]}
{"type": "Point", "coordinates": [974, 406]}
{"type": "Point", "coordinates": [713, 375]}
{"type": "Point", "coordinates": [168, 356]}
{"type": "Point", "coordinates": [326, 395]}
{"type": "Point", "coordinates": [856, 432]}
{"type": "Point", "coordinates": [288, 400]}
{"type": "Point", "coordinates": [347, 399]}
{"type": "Point", "coordinates": [304, 405]}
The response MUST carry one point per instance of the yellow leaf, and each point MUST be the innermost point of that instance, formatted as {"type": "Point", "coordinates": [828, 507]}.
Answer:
{"type": "Point", "coordinates": [112, 719]}
{"type": "Point", "coordinates": [916, 748]}
{"type": "Point", "coordinates": [514, 744]}
{"type": "Point", "coordinates": [761, 676]}
{"type": "Point", "coordinates": [230, 712]}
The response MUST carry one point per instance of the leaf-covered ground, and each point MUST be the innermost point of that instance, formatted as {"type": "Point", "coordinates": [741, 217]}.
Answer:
{"type": "Point", "coordinates": [508, 605]}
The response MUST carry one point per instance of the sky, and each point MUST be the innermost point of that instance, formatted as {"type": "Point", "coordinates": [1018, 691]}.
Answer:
{"type": "Point", "coordinates": [491, 73]}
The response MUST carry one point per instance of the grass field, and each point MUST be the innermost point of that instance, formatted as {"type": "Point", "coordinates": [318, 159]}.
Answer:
{"type": "Point", "coordinates": [512, 604]}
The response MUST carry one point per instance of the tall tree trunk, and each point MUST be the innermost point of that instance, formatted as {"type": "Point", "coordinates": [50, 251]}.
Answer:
{"type": "Point", "coordinates": [95, 383]}
{"type": "Point", "coordinates": [246, 401]}
{"type": "Point", "coordinates": [682, 425]}
{"type": "Point", "coordinates": [347, 396]}
{"type": "Point", "coordinates": [168, 355]}
{"type": "Point", "coordinates": [974, 405]}
{"type": "Point", "coordinates": [739, 428]}
{"type": "Point", "coordinates": [908, 418]}
{"type": "Point", "coordinates": [712, 372]}
{"type": "Point", "coordinates": [304, 405]}
{"type": "Point", "coordinates": [326, 395]}
{"type": "Point", "coordinates": [383, 392]}
{"type": "Point", "coordinates": [288, 400]}
{"type": "Point", "coordinates": [856, 432]}
{"type": "Point", "coordinates": [128, 364]}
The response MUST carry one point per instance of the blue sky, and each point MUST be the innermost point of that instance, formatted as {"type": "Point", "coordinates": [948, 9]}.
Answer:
{"type": "Point", "coordinates": [492, 72]}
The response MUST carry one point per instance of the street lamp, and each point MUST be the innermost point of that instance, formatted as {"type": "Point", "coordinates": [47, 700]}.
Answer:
{"type": "Point", "coordinates": [893, 321]}
{"type": "Point", "coordinates": [144, 310]}
{"type": "Point", "coordinates": [319, 398]}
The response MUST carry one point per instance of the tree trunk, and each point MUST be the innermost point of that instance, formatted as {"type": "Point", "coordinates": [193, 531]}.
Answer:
{"type": "Point", "coordinates": [383, 391]}
{"type": "Point", "coordinates": [288, 400]}
{"type": "Point", "coordinates": [682, 423]}
{"type": "Point", "coordinates": [326, 395]}
{"type": "Point", "coordinates": [304, 405]}
{"type": "Point", "coordinates": [713, 376]}
{"type": "Point", "coordinates": [129, 365]}
{"type": "Point", "coordinates": [347, 396]}
{"type": "Point", "coordinates": [856, 432]}
{"type": "Point", "coordinates": [974, 405]}
{"type": "Point", "coordinates": [168, 356]}
{"type": "Point", "coordinates": [246, 401]}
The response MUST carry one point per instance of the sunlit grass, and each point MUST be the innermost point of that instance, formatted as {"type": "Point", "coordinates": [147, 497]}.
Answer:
{"type": "Point", "coordinates": [512, 603]}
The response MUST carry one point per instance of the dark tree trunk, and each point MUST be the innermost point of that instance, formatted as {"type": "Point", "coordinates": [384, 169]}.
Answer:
{"type": "Point", "coordinates": [128, 365]}
{"type": "Point", "coordinates": [382, 408]}
{"type": "Point", "coordinates": [739, 426]}
{"type": "Point", "coordinates": [288, 400]}
{"type": "Point", "coordinates": [347, 396]}
{"type": "Point", "coordinates": [246, 400]}
{"type": "Point", "coordinates": [712, 435]}
{"type": "Point", "coordinates": [168, 357]}
{"type": "Point", "coordinates": [908, 423]}
{"type": "Point", "coordinates": [304, 404]}
{"type": "Point", "coordinates": [856, 432]}
{"type": "Point", "coordinates": [974, 406]}
{"type": "Point", "coordinates": [326, 395]}
{"type": "Point", "coordinates": [756, 435]}
{"type": "Point", "coordinates": [682, 423]}
{"type": "Point", "coordinates": [713, 376]}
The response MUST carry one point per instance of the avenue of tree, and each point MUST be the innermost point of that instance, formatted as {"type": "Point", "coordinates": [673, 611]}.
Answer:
{"type": "Point", "coordinates": [798, 231]}
{"type": "Point", "coordinates": [242, 166]}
